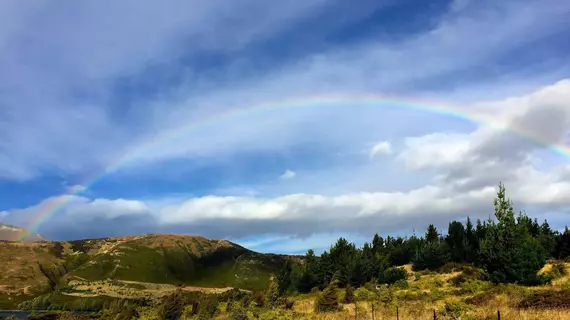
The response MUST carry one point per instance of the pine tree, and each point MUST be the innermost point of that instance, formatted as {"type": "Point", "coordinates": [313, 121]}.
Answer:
{"type": "Point", "coordinates": [431, 234]}
{"type": "Point", "coordinates": [562, 247]}
{"type": "Point", "coordinates": [456, 241]}
{"type": "Point", "coordinates": [432, 256]}
{"type": "Point", "coordinates": [377, 244]}
{"type": "Point", "coordinates": [508, 251]}
{"type": "Point", "coordinates": [328, 299]}
{"type": "Point", "coordinates": [471, 242]}
{"type": "Point", "coordinates": [547, 237]}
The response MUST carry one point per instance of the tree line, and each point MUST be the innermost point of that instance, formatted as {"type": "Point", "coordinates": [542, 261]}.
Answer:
{"type": "Point", "coordinates": [509, 249]}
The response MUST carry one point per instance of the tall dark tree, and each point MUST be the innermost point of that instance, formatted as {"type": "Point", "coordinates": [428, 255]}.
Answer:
{"type": "Point", "coordinates": [377, 244]}
{"type": "Point", "coordinates": [547, 237]}
{"type": "Point", "coordinates": [562, 246]}
{"type": "Point", "coordinates": [508, 251]}
{"type": "Point", "coordinates": [456, 241]}
{"type": "Point", "coordinates": [431, 234]}
{"type": "Point", "coordinates": [309, 278]}
{"type": "Point", "coordinates": [471, 243]}
{"type": "Point", "coordinates": [432, 256]}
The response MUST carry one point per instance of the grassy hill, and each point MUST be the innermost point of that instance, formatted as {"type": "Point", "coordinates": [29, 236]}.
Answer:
{"type": "Point", "coordinates": [29, 267]}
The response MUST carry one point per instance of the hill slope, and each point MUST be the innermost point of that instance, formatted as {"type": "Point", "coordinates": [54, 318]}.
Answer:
{"type": "Point", "coordinates": [28, 267]}
{"type": "Point", "coordinates": [12, 233]}
{"type": "Point", "coordinates": [174, 259]}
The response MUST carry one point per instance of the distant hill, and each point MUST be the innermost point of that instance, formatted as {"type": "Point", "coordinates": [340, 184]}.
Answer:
{"type": "Point", "coordinates": [13, 233]}
{"type": "Point", "coordinates": [154, 258]}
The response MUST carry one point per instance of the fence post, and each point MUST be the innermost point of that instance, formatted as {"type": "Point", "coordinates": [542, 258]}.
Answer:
{"type": "Point", "coordinates": [434, 316]}
{"type": "Point", "coordinates": [372, 304]}
{"type": "Point", "coordinates": [397, 314]}
{"type": "Point", "coordinates": [498, 314]}
{"type": "Point", "coordinates": [355, 310]}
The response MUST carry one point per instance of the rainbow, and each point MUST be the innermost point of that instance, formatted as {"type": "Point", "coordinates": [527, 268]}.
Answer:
{"type": "Point", "coordinates": [233, 114]}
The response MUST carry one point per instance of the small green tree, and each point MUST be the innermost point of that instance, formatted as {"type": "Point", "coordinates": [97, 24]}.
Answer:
{"type": "Point", "coordinates": [508, 252]}
{"type": "Point", "coordinates": [432, 235]}
{"type": "Point", "coordinates": [328, 299]}
{"type": "Point", "coordinates": [431, 256]}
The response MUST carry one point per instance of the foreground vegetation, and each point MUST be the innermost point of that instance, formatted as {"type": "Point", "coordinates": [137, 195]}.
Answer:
{"type": "Point", "coordinates": [510, 264]}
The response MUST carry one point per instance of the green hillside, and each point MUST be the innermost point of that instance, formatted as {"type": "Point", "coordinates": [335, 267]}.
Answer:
{"type": "Point", "coordinates": [30, 269]}
{"type": "Point", "coordinates": [178, 260]}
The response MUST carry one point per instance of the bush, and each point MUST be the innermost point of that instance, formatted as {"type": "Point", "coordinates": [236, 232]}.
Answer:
{"type": "Point", "coordinates": [401, 284]}
{"type": "Point", "coordinates": [436, 295]}
{"type": "Point", "coordinates": [550, 299]}
{"type": "Point", "coordinates": [127, 313]}
{"type": "Point", "coordinates": [172, 306]}
{"type": "Point", "coordinates": [453, 310]}
{"type": "Point", "coordinates": [431, 256]}
{"type": "Point", "coordinates": [259, 299]}
{"type": "Point", "coordinates": [451, 267]}
{"type": "Point", "coordinates": [287, 304]}
{"type": "Point", "coordinates": [208, 307]}
{"type": "Point", "coordinates": [239, 314]}
{"type": "Point", "coordinates": [392, 275]}
{"type": "Point", "coordinates": [558, 270]}
{"type": "Point", "coordinates": [468, 274]}
{"type": "Point", "coordinates": [327, 300]}
{"type": "Point", "coordinates": [474, 286]}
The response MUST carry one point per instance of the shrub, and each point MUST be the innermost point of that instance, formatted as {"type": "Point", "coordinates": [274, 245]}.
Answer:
{"type": "Point", "coordinates": [327, 300]}
{"type": "Point", "coordinates": [401, 284]}
{"type": "Point", "coordinates": [392, 275]}
{"type": "Point", "coordinates": [431, 256]}
{"type": "Point", "coordinates": [239, 314]}
{"type": "Point", "coordinates": [259, 299]}
{"type": "Point", "coordinates": [558, 270]}
{"type": "Point", "coordinates": [451, 267]}
{"type": "Point", "coordinates": [453, 310]}
{"type": "Point", "coordinates": [348, 295]}
{"type": "Point", "coordinates": [287, 304]}
{"type": "Point", "coordinates": [548, 299]}
{"type": "Point", "coordinates": [229, 306]}
{"type": "Point", "coordinates": [436, 295]}
{"type": "Point", "coordinates": [468, 273]}
{"type": "Point", "coordinates": [246, 301]}
{"type": "Point", "coordinates": [127, 313]}
{"type": "Point", "coordinates": [172, 306]}
{"type": "Point", "coordinates": [208, 307]}
{"type": "Point", "coordinates": [473, 286]}
{"type": "Point", "coordinates": [480, 298]}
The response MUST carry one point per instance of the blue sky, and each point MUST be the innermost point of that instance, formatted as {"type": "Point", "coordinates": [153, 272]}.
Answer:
{"type": "Point", "coordinates": [86, 83]}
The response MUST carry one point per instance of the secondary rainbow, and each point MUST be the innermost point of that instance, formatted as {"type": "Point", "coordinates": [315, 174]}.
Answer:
{"type": "Point", "coordinates": [354, 101]}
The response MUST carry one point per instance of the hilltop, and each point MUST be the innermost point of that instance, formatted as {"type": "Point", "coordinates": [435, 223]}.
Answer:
{"type": "Point", "coordinates": [32, 268]}
{"type": "Point", "coordinates": [13, 233]}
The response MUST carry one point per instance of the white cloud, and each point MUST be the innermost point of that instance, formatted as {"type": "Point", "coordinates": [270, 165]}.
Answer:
{"type": "Point", "coordinates": [49, 134]}
{"type": "Point", "coordinates": [288, 174]}
{"type": "Point", "coordinates": [383, 147]}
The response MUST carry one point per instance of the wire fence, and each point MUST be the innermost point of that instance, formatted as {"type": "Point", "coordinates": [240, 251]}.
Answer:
{"type": "Point", "coordinates": [435, 315]}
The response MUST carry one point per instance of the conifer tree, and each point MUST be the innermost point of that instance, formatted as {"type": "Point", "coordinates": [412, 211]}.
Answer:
{"type": "Point", "coordinates": [431, 234]}
{"type": "Point", "coordinates": [508, 251]}
{"type": "Point", "coordinates": [328, 299]}
{"type": "Point", "coordinates": [456, 241]}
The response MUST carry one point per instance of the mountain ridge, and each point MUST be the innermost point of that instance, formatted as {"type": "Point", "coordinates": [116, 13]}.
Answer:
{"type": "Point", "coordinates": [33, 267]}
